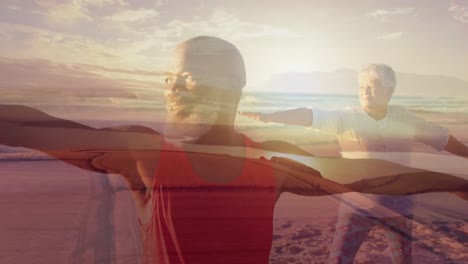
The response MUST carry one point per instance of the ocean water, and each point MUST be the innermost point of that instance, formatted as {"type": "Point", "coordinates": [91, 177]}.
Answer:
{"type": "Point", "coordinates": [148, 109]}
{"type": "Point", "coordinates": [151, 104]}
{"type": "Point", "coordinates": [279, 101]}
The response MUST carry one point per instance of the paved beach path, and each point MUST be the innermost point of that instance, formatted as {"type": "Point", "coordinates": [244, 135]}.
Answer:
{"type": "Point", "coordinates": [51, 212]}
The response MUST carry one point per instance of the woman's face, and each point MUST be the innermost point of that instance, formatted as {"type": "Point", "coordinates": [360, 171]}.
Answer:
{"type": "Point", "coordinates": [372, 94]}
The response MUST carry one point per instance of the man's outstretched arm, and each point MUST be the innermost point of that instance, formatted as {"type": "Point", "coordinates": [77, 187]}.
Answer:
{"type": "Point", "coordinates": [321, 176]}
{"type": "Point", "coordinates": [109, 150]}
{"type": "Point", "coordinates": [298, 116]}
{"type": "Point", "coordinates": [411, 183]}
{"type": "Point", "coordinates": [27, 127]}
{"type": "Point", "coordinates": [309, 182]}
{"type": "Point", "coordinates": [72, 142]}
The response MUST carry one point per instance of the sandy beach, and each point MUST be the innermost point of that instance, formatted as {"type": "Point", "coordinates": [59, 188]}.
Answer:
{"type": "Point", "coordinates": [54, 213]}
{"type": "Point", "coordinates": [304, 228]}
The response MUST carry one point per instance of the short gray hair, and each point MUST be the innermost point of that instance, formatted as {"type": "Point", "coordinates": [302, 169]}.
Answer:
{"type": "Point", "coordinates": [382, 72]}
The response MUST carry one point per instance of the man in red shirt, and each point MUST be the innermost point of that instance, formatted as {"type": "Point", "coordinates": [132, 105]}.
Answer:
{"type": "Point", "coordinates": [197, 207]}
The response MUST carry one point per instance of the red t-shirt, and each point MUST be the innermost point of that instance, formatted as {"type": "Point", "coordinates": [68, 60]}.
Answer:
{"type": "Point", "coordinates": [195, 221]}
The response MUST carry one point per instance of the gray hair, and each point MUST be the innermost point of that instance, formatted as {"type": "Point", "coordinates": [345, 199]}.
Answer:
{"type": "Point", "coordinates": [382, 72]}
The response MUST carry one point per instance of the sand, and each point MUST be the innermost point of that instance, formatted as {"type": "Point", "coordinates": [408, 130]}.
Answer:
{"type": "Point", "coordinates": [54, 213]}
{"type": "Point", "coordinates": [304, 228]}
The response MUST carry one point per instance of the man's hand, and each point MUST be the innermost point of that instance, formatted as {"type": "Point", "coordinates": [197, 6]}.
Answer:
{"type": "Point", "coordinates": [296, 165]}
{"type": "Point", "coordinates": [263, 117]}
{"type": "Point", "coordinates": [462, 195]}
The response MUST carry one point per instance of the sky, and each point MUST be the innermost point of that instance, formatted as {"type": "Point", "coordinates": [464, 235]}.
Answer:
{"type": "Point", "coordinates": [124, 45]}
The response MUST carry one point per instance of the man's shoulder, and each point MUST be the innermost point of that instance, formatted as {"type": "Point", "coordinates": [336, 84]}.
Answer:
{"type": "Point", "coordinates": [352, 113]}
{"type": "Point", "coordinates": [399, 112]}
{"type": "Point", "coordinates": [354, 110]}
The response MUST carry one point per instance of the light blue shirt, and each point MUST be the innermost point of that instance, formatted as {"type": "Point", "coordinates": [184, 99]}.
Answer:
{"type": "Point", "coordinates": [396, 132]}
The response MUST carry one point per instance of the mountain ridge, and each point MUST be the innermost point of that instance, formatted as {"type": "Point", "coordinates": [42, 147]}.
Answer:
{"type": "Point", "coordinates": [344, 81]}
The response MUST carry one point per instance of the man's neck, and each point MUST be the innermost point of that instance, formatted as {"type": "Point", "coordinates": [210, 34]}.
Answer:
{"type": "Point", "coordinates": [220, 135]}
{"type": "Point", "coordinates": [377, 113]}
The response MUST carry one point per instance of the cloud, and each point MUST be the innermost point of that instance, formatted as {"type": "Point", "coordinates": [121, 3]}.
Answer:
{"type": "Point", "coordinates": [459, 13]}
{"type": "Point", "coordinates": [64, 13]}
{"type": "Point", "coordinates": [137, 50]}
{"type": "Point", "coordinates": [96, 68]}
{"type": "Point", "coordinates": [102, 3]}
{"type": "Point", "coordinates": [390, 36]}
{"type": "Point", "coordinates": [131, 39]}
{"type": "Point", "coordinates": [137, 15]}
{"type": "Point", "coordinates": [71, 12]}
{"type": "Point", "coordinates": [27, 41]}
{"type": "Point", "coordinates": [386, 15]}
{"type": "Point", "coordinates": [160, 3]}
{"type": "Point", "coordinates": [78, 92]}
{"type": "Point", "coordinates": [43, 78]}
{"type": "Point", "coordinates": [14, 7]}
{"type": "Point", "coordinates": [147, 42]}
{"type": "Point", "coordinates": [226, 25]}
{"type": "Point", "coordinates": [84, 3]}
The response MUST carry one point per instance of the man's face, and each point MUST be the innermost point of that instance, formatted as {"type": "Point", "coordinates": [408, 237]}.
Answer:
{"type": "Point", "coordinates": [192, 97]}
{"type": "Point", "coordinates": [372, 94]}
